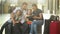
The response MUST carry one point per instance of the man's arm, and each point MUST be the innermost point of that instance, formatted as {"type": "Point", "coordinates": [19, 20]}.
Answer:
{"type": "Point", "coordinates": [40, 16]}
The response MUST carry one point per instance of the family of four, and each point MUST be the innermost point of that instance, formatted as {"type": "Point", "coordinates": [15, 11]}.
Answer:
{"type": "Point", "coordinates": [23, 20]}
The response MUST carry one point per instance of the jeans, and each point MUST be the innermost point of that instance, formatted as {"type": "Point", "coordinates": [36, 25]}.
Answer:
{"type": "Point", "coordinates": [34, 26]}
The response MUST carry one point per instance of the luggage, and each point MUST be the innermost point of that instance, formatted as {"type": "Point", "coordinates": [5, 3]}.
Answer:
{"type": "Point", "coordinates": [47, 24]}
{"type": "Point", "coordinates": [46, 27]}
{"type": "Point", "coordinates": [59, 27]}
{"type": "Point", "coordinates": [53, 27]}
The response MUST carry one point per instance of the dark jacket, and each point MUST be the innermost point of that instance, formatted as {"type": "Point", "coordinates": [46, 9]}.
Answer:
{"type": "Point", "coordinates": [7, 26]}
{"type": "Point", "coordinates": [16, 29]}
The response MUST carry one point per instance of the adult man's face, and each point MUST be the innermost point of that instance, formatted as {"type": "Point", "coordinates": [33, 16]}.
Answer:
{"type": "Point", "coordinates": [24, 6]}
{"type": "Point", "coordinates": [34, 8]}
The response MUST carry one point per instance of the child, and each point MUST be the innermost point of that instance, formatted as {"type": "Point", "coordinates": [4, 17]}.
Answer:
{"type": "Point", "coordinates": [27, 17]}
{"type": "Point", "coordinates": [29, 22]}
{"type": "Point", "coordinates": [29, 12]}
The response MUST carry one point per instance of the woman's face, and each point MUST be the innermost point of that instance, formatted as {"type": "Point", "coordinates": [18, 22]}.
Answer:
{"type": "Point", "coordinates": [18, 13]}
{"type": "Point", "coordinates": [29, 12]}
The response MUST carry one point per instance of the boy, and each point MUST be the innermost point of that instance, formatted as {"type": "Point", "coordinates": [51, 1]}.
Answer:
{"type": "Point", "coordinates": [8, 25]}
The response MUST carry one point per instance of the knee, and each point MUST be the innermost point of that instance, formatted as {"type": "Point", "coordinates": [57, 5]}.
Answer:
{"type": "Point", "coordinates": [35, 26]}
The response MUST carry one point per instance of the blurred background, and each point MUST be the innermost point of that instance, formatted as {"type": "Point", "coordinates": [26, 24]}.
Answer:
{"type": "Point", "coordinates": [53, 6]}
{"type": "Point", "coordinates": [47, 6]}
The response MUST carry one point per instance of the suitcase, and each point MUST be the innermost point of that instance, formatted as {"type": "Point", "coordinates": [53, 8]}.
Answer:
{"type": "Point", "coordinates": [59, 27]}
{"type": "Point", "coordinates": [46, 27]}
{"type": "Point", "coordinates": [53, 27]}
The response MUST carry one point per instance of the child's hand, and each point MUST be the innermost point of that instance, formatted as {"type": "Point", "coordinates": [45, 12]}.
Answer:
{"type": "Point", "coordinates": [34, 17]}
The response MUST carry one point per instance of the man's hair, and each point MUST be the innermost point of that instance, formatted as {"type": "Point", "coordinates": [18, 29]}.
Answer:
{"type": "Point", "coordinates": [34, 5]}
{"type": "Point", "coordinates": [25, 3]}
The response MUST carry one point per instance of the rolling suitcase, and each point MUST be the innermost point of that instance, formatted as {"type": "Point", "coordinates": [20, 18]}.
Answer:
{"type": "Point", "coordinates": [59, 27]}
{"type": "Point", "coordinates": [46, 27]}
{"type": "Point", "coordinates": [53, 27]}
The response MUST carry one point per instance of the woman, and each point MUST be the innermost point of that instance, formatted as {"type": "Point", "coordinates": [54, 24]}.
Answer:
{"type": "Point", "coordinates": [16, 29]}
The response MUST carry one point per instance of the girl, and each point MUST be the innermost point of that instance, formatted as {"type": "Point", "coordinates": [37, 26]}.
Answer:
{"type": "Point", "coordinates": [17, 24]}
{"type": "Point", "coordinates": [28, 19]}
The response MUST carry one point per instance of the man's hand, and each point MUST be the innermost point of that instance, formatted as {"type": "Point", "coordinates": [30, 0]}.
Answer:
{"type": "Point", "coordinates": [40, 16]}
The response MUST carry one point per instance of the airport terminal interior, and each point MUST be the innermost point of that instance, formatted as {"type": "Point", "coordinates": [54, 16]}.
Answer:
{"type": "Point", "coordinates": [49, 7]}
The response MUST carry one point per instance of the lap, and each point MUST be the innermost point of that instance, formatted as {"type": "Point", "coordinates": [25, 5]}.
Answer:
{"type": "Point", "coordinates": [38, 22]}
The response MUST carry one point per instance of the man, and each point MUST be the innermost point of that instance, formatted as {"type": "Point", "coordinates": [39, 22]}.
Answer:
{"type": "Point", "coordinates": [37, 19]}
{"type": "Point", "coordinates": [23, 19]}
{"type": "Point", "coordinates": [24, 10]}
